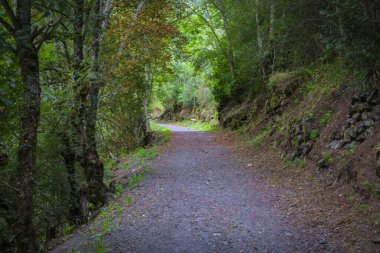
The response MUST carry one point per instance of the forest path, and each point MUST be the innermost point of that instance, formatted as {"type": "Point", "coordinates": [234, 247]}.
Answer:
{"type": "Point", "coordinates": [200, 198]}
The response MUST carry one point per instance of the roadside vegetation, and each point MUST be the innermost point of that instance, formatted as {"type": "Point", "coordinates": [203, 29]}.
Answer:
{"type": "Point", "coordinates": [80, 80]}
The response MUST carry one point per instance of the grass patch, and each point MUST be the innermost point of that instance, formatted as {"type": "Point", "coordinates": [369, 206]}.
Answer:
{"type": "Point", "coordinates": [144, 153]}
{"type": "Point", "coordinates": [199, 126]}
{"type": "Point", "coordinates": [257, 141]}
{"type": "Point", "coordinates": [136, 180]}
{"type": "Point", "coordinates": [296, 163]}
{"type": "Point", "coordinates": [157, 128]}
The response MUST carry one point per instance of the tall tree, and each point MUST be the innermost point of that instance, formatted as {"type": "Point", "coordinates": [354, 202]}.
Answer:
{"type": "Point", "coordinates": [27, 46]}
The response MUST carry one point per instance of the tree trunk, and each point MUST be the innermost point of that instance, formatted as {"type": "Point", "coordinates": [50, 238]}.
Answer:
{"type": "Point", "coordinates": [148, 80]}
{"type": "Point", "coordinates": [78, 118]}
{"type": "Point", "coordinates": [93, 166]}
{"type": "Point", "coordinates": [269, 57]}
{"type": "Point", "coordinates": [27, 55]}
{"type": "Point", "coordinates": [230, 53]}
{"type": "Point", "coordinates": [260, 45]}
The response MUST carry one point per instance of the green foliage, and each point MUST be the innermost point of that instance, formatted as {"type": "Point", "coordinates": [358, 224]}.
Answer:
{"type": "Point", "coordinates": [136, 180]}
{"type": "Point", "coordinates": [314, 134]}
{"type": "Point", "coordinates": [296, 163]}
{"type": "Point", "coordinates": [129, 201]}
{"type": "Point", "coordinates": [119, 189]}
{"type": "Point", "coordinates": [196, 68]}
{"type": "Point", "coordinates": [325, 118]}
{"type": "Point", "coordinates": [126, 167]}
{"type": "Point", "coordinates": [144, 153]}
{"type": "Point", "coordinates": [258, 139]}
{"type": "Point", "coordinates": [200, 126]}
{"type": "Point", "coordinates": [327, 156]}
{"type": "Point", "coordinates": [352, 149]}
{"type": "Point", "coordinates": [157, 128]}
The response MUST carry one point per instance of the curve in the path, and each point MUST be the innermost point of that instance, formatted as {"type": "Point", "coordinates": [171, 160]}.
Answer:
{"type": "Point", "coordinates": [175, 128]}
{"type": "Point", "coordinates": [201, 199]}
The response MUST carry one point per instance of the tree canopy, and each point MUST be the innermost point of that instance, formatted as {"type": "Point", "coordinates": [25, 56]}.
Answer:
{"type": "Point", "coordinates": [79, 80]}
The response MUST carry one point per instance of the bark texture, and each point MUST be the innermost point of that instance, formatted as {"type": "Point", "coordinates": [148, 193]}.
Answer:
{"type": "Point", "coordinates": [27, 55]}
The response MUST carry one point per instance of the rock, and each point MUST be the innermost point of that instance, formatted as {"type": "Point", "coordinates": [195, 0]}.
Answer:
{"type": "Point", "coordinates": [376, 113]}
{"type": "Point", "coordinates": [336, 144]}
{"type": "Point", "coordinates": [336, 135]}
{"type": "Point", "coordinates": [361, 137]}
{"type": "Point", "coordinates": [308, 147]}
{"type": "Point", "coordinates": [299, 139]}
{"type": "Point", "coordinates": [356, 116]}
{"type": "Point", "coordinates": [298, 129]}
{"type": "Point", "coordinates": [369, 131]}
{"type": "Point", "coordinates": [376, 240]}
{"type": "Point", "coordinates": [249, 165]}
{"type": "Point", "coordinates": [351, 121]}
{"type": "Point", "coordinates": [366, 116]}
{"type": "Point", "coordinates": [353, 130]}
{"type": "Point", "coordinates": [375, 116]}
{"type": "Point", "coordinates": [360, 127]}
{"type": "Point", "coordinates": [374, 98]}
{"type": "Point", "coordinates": [359, 107]}
{"type": "Point", "coordinates": [322, 240]}
{"type": "Point", "coordinates": [346, 136]}
{"type": "Point", "coordinates": [369, 123]}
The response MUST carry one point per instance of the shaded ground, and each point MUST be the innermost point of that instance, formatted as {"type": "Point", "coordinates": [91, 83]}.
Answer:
{"type": "Point", "coordinates": [201, 198]}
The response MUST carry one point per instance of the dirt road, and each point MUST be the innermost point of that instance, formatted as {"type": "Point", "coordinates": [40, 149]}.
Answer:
{"type": "Point", "coordinates": [201, 198]}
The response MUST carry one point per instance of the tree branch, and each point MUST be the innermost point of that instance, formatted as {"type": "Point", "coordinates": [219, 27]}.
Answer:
{"type": "Point", "coordinates": [49, 28]}
{"type": "Point", "coordinates": [207, 23]}
{"type": "Point", "coordinates": [37, 31]}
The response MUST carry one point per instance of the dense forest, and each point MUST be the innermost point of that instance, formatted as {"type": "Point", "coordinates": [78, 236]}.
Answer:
{"type": "Point", "coordinates": [80, 79]}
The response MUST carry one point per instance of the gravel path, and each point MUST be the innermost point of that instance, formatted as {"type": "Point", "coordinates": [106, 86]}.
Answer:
{"type": "Point", "coordinates": [200, 198]}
